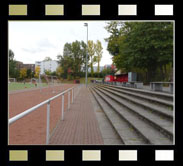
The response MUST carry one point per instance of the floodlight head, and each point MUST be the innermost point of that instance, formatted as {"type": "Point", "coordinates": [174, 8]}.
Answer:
{"type": "Point", "coordinates": [86, 24]}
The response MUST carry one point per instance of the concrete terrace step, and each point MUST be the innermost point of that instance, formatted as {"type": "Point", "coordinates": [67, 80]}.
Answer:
{"type": "Point", "coordinates": [146, 130]}
{"type": "Point", "coordinates": [158, 95]}
{"type": "Point", "coordinates": [143, 97]}
{"type": "Point", "coordinates": [109, 134]}
{"type": "Point", "coordinates": [161, 124]}
{"type": "Point", "coordinates": [156, 109]}
{"type": "Point", "coordinates": [122, 127]}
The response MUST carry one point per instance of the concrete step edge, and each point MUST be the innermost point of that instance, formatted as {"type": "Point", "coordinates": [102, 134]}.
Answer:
{"type": "Point", "coordinates": [157, 111]}
{"type": "Point", "coordinates": [92, 91]}
{"type": "Point", "coordinates": [149, 98]}
{"type": "Point", "coordinates": [133, 126]}
{"type": "Point", "coordinates": [170, 96]}
{"type": "Point", "coordinates": [147, 120]}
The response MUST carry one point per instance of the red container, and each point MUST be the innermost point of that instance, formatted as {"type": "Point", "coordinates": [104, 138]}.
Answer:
{"type": "Point", "coordinates": [109, 78]}
{"type": "Point", "coordinates": [121, 78]}
{"type": "Point", "coordinates": [117, 78]}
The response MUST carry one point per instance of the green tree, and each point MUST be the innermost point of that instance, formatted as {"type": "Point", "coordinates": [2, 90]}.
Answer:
{"type": "Point", "coordinates": [59, 71]}
{"type": "Point", "coordinates": [13, 71]}
{"type": "Point", "coordinates": [142, 45]}
{"type": "Point", "coordinates": [47, 59]}
{"type": "Point", "coordinates": [23, 73]}
{"type": "Point", "coordinates": [91, 53]}
{"type": "Point", "coordinates": [29, 73]}
{"type": "Point", "coordinates": [37, 71]}
{"type": "Point", "coordinates": [11, 55]}
{"type": "Point", "coordinates": [113, 40]}
{"type": "Point", "coordinates": [73, 58]}
{"type": "Point", "coordinates": [98, 50]}
{"type": "Point", "coordinates": [47, 72]}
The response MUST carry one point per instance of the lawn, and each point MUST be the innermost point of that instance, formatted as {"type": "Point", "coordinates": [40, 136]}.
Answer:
{"type": "Point", "coordinates": [19, 86]}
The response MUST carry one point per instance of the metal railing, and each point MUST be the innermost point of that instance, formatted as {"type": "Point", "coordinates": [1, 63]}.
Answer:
{"type": "Point", "coordinates": [74, 90]}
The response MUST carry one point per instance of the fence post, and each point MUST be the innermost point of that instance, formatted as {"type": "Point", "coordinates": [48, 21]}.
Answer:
{"type": "Point", "coordinates": [72, 95]}
{"type": "Point", "coordinates": [48, 123]}
{"type": "Point", "coordinates": [68, 99]}
{"type": "Point", "coordinates": [74, 91]}
{"type": "Point", "coordinates": [63, 107]}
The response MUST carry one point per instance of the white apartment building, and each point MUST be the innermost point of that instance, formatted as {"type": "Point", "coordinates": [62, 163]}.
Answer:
{"type": "Point", "coordinates": [47, 65]}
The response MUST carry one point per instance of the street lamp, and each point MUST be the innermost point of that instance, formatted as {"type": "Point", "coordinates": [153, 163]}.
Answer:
{"type": "Point", "coordinates": [86, 24]}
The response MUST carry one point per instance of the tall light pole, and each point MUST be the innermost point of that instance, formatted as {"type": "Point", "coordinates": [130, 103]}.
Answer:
{"type": "Point", "coordinates": [86, 24]}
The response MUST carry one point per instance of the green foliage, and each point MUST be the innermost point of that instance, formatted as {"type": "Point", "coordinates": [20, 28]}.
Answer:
{"type": "Point", "coordinates": [146, 46]}
{"type": "Point", "coordinates": [107, 71]}
{"type": "Point", "coordinates": [47, 72]}
{"type": "Point", "coordinates": [91, 53]}
{"type": "Point", "coordinates": [98, 50]}
{"type": "Point", "coordinates": [13, 71]}
{"type": "Point", "coordinates": [47, 59]}
{"type": "Point", "coordinates": [23, 73]}
{"type": "Point", "coordinates": [59, 71]}
{"type": "Point", "coordinates": [29, 73]}
{"type": "Point", "coordinates": [73, 58]}
{"type": "Point", "coordinates": [37, 71]}
{"type": "Point", "coordinates": [54, 73]}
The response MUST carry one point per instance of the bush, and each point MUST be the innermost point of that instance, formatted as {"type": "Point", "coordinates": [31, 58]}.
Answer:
{"type": "Point", "coordinates": [89, 74]}
{"type": "Point", "coordinates": [69, 77]}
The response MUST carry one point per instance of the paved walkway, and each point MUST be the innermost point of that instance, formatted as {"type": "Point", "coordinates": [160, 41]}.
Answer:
{"type": "Point", "coordinates": [80, 126]}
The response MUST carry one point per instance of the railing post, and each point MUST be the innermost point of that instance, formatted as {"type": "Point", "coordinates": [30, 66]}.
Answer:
{"type": "Point", "coordinates": [72, 95]}
{"type": "Point", "coordinates": [48, 123]}
{"type": "Point", "coordinates": [63, 107]}
{"type": "Point", "coordinates": [74, 91]}
{"type": "Point", "coordinates": [69, 99]}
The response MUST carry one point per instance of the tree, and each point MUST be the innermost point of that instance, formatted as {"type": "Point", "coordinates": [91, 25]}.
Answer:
{"type": "Point", "coordinates": [98, 50]}
{"type": "Point", "coordinates": [47, 59]}
{"type": "Point", "coordinates": [54, 73]}
{"type": "Point", "coordinates": [73, 58]}
{"type": "Point", "coordinates": [59, 71]}
{"type": "Point", "coordinates": [107, 71]}
{"type": "Point", "coordinates": [147, 46]}
{"type": "Point", "coordinates": [37, 72]}
{"type": "Point", "coordinates": [29, 73]}
{"type": "Point", "coordinates": [77, 58]}
{"type": "Point", "coordinates": [13, 71]}
{"type": "Point", "coordinates": [23, 73]}
{"type": "Point", "coordinates": [47, 72]}
{"type": "Point", "coordinates": [11, 55]}
{"type": "Point", "coordinates": [113, 28]}
{"type": "Point", "coordinates": [91, 53]}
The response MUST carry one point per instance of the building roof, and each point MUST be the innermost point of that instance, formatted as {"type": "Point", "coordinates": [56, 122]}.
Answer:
{"type": "Point", "coordinates": [119, 72]}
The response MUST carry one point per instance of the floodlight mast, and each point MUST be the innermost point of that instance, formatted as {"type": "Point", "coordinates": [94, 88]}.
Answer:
{"type": "Point", "coordinates": [86, 68]}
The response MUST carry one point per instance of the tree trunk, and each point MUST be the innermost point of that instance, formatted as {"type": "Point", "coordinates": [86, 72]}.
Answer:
{"type": "Point", "coordinates": [151, 74]}
{"type": "Point", "coordinates": [98, 69]}
{"type": "Point", "coordinates": [91, 69]}
{"type": "Point", "coordinates": [162, 73]}
{"type": "Point", "coordinates": [165, 72]}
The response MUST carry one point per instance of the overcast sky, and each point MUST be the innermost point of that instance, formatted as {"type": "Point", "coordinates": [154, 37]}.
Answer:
{"type": "Point", "coordinates": [34, 40]}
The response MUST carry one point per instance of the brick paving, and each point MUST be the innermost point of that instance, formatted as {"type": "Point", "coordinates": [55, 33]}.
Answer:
{"type": "Point", "coordinates": [80, 125]}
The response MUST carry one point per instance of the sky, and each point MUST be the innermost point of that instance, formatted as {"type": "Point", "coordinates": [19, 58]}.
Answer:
{"type": "Point", "coordinates": [34, 40]}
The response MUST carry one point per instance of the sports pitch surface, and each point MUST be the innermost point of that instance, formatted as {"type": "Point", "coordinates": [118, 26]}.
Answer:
{"type": "Point", "coordinates": [20, 86]}
{"type": "Point", "coordinates": [31, 129]}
